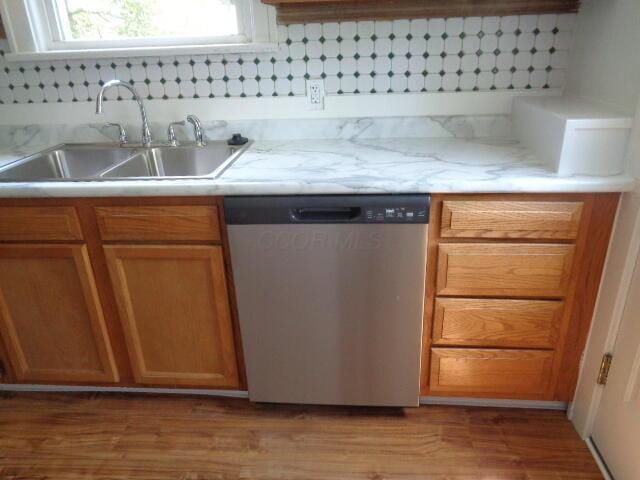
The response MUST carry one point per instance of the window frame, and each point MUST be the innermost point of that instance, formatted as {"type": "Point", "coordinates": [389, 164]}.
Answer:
{"type": "Point", "coordinates": [34, 32]}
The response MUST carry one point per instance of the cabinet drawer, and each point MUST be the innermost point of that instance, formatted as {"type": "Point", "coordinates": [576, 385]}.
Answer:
{"type": "Point", "coordinates": [188, 223]}
{"type": "Point", "coordinates": [490, 219]}
{"type": "Point", "coordinates": [503, 270]}
{"type": "Point", "coordinates": [496, 323]}
{"type": "Point", "coordinates": [482, 372]}
{"type": "Point", "coordinates": [39, 223]}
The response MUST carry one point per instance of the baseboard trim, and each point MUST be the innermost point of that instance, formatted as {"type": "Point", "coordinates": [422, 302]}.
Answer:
{"type": "Point", "coordinates": [462, 401]}
{"type": "Point", "coordinates": [170, 391]}
{"type": "Point", "coordinates": [494, 402]}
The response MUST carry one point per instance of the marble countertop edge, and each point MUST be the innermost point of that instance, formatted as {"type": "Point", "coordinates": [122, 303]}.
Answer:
{"type": "Point", "coordinates": [357, 166]}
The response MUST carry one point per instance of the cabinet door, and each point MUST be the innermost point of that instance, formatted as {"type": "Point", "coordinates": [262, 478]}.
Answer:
{"type": "Point", "coordinates": [175, 309]}
{"type": "Point", "coordinates": [50, 315]}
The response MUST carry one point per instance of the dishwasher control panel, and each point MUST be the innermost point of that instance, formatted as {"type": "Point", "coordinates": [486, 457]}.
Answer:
{"type": "Point", "coordinates": [395, 215]}
{"type": "Point", "coordinates": [329, 209]}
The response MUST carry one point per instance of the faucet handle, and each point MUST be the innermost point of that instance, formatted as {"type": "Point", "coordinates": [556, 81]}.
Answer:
{"type": "Point", "coordinates": [198, 132]}
{"type": "Point", "coordinates": [121, 132]}
{"type": "Point", "coordinates": [171, 134]}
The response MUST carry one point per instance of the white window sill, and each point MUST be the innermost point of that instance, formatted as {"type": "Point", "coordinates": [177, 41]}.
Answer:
{"type": "Point", "coordinates": [143, 51]}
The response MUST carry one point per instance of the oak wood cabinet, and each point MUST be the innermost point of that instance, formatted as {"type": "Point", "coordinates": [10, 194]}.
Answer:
{"type": "Point", "coordinates": [504, 270]}
{"type": "Point", "coordinates": [490, 372]}
{"type": "Point", "coordinates": [174, 305]}
{"type": "Point", "coordinates": [510, 219]}
{"type": "Point", "coordinates": [309, 11]}
{"type": "Point", "coordinates": [503, 323]}
{"type": "Point", "coordinates": [511, 287]}
{"type": "Point", "coordinates": [118, 290]}
{"type": "Point", "coordinates": [50, 315]}
{"type": "Point", "coordinates": [138, 291]}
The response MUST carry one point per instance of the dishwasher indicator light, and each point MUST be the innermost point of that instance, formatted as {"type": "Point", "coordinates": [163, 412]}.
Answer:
{"type": "Point", "coordinates": [389, 212]}
{"type": "Point", "coordinates": [409, 214]}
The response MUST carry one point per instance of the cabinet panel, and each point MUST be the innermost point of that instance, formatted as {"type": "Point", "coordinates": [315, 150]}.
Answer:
{"type": "Point", "coordinates": [174, 305]}
{"type": "Point", "coordinates": [157, 223]}
{"type": "Point", "coordinates": [50, 315]}
{"type": "Point", "coordinates": [19, 224]}
{"type": "Point", "coordinates": [496, 323]}
{"type": "Point", "coordinates": [317, 11]}
{"type": "Point", "coordinates": [483, 372]}
{"type": "Point", "coordinates": [517, 219]}
{"type": "Point", "coordinates": [504, 270]}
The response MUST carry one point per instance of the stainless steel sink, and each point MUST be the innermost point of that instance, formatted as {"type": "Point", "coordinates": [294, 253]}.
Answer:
{"type": "Point", "coordinates": [65, 162]}
{"type": "Point", "coordinates": [108, 162]}
{"type": "Point", "coordinates": [185, 161]}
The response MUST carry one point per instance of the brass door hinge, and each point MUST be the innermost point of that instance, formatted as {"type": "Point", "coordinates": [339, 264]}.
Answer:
{"type": "Point", "coordinates": [605, 365]}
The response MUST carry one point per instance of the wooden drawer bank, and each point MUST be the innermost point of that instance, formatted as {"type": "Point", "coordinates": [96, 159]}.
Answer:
{"type": "Point", "coordinates": [511, 287]}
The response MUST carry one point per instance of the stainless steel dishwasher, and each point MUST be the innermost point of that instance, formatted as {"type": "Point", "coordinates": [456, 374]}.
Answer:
{"type": "Point", "coordinates": [330, 293]}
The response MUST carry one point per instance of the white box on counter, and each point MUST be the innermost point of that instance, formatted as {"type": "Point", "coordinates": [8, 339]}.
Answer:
{"type": "Point", "coordinates": [575, 136]}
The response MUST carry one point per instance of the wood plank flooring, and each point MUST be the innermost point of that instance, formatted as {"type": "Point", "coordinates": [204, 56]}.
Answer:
{"type": "Point", "coordinates": [117, 437]}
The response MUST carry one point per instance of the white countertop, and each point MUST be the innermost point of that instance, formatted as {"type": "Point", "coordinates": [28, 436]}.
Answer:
{"type": "Point", "coordinates": [337, 166]}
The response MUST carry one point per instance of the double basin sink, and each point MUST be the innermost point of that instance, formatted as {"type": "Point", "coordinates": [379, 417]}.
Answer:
{"type": "Point", "coordinates": [109, 162]}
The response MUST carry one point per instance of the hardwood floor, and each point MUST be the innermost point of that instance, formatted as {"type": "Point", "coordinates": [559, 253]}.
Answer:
{"type": "Point", "coordinates": [113, 436]}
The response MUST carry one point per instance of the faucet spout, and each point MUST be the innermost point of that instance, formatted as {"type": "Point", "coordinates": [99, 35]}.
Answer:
{"type": "Point", "coordinates": [198, 131]}
{"type": "Point", "coordinates": [146, 132]}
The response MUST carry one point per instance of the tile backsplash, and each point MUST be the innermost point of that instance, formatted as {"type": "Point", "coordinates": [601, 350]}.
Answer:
{"type": "Point", "coordinates": [454, 54]}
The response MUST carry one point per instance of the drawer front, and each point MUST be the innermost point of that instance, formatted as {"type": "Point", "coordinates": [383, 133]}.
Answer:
{"type": "Point", "coordinates": [187, 223]}
{"type": "Point", "coordinates": [39, 223]}
{"type": "Point", "coordinates": [489, 219]}
{"type": "Point", "coordinates": [504, 270]}
{"type": "Point", "coordinates": [496, 323]}
{"type": "Point", "coordinates": [481, 372]}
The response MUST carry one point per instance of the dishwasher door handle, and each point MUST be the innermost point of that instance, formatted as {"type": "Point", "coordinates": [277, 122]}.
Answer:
{"type": "Point", "coordinates": [325, 214]}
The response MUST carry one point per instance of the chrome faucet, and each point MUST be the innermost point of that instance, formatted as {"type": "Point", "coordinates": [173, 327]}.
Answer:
{"type": "Point", "coordinates": [171, 133]}
{"type": "Point", "coordinates": [146, 133]}
{"type": "Point", "coordinates": [197, 130]}
{"type": "Point", "coordinates": [122, 133]}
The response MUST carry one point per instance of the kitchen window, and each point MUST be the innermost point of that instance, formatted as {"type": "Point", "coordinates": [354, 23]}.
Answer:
{"type": "Point", "coordinates": [101, 28]}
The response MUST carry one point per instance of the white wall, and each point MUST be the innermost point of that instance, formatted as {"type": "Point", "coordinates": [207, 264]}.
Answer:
{"type": "Point", "coordinates": [605, 66]}
{"type": "Point", "coordinates": [605, 59]}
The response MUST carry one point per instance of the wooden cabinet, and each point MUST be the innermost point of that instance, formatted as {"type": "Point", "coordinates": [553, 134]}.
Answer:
{"type": "Point", "coordinates": [510, 219]}
{"type": "Point", "coordinates": [50, 315]}
{"type": "Point", "coordinates": [496, 322]}
{"type": "Point", "coordinates": [174, 305]}
{"type": "Point", "coordinates": [511, 287]}
{"type": "Point", "coordinates": [310, 11]}
{"type": "Point", "coordinates": [45, 224]}
{"type": "Point", "coordinates": [138, 291]}
{"type": "Point", "coordinates": [491, 372]}
{"type": "Point", "coordinates": [159, 223]}
{"type": "Point", "coordinates": [117, 290]}
{"type": "Point", "coordinates": [504, 270]}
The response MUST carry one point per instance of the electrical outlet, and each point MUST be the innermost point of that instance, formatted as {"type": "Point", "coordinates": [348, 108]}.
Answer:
{"type": "Point", "coordinates": [315, 94]}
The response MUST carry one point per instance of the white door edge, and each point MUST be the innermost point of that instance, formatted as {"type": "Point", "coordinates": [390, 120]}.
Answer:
{"type": "Point", "coordinates": [598, 458]}
{"type": "Point", "coordinates": [614, 325]}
